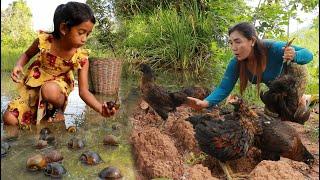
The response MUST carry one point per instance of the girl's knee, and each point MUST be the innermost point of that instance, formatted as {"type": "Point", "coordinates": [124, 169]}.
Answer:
{"type": "Point", "coordinates": [10, 119]}
{"type": "Point", "coordinates": [51, 92]}
{"type": "Point", "coordinates": [49, 88]}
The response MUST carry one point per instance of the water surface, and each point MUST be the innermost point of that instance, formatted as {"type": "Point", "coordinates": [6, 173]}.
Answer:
{"type": "Point", "coordinates": [90, 126]}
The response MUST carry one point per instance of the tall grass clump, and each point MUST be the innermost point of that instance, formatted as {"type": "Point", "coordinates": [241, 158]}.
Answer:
{"type": "Point", "coordinates": [172, 40]}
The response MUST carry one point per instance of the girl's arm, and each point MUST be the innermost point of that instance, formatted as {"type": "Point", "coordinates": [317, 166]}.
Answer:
{"type": "Point", "coordinates": [87, 96]}
{"type": "Point", "coordinates": [24, 59]}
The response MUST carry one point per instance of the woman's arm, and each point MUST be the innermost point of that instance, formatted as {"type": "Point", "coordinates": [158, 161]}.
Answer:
{"type": "Point", "coordinates": [87, 96]}
{"type": "Point", "coordinates": [24, 59]}
{"type": "Point", "coordinates": [227, 83]}
{"type": "Point", "coordinates": [302, 55]}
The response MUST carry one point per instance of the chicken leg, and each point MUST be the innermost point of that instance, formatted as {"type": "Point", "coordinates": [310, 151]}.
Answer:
{"type": "Point", "coordinates": [228, 172]}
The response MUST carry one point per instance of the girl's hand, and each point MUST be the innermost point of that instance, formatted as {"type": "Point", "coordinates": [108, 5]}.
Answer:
{"type": "Point", "coordinates": [289, 53]}
{"type": "Point", "coordinates": [15, 75]}
{"type": "Point", "coordinates": [197, 104]}
{"type": "Point", "coordinates": [106, 112]}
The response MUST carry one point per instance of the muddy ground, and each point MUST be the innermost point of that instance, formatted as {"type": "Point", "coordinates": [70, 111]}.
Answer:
{"type": "Point", "coordinates": [170, 151]}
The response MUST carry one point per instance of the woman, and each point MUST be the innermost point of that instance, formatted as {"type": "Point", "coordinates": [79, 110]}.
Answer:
{"type": "Point", "coordinates": [254, 60]}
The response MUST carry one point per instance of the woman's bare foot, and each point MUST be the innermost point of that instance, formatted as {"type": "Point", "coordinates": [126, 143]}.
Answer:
{"type": "Point", "coordinates": [57, 116]}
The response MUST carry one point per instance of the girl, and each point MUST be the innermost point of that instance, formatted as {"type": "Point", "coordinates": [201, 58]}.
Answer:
{"type": "Point", "coordinates": [48, 81]}
{"type": "Point", "coordinates": [254, 60]}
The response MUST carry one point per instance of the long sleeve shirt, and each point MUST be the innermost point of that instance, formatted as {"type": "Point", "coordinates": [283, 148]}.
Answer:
{"type": "Point", "coordinates": [273, 69]}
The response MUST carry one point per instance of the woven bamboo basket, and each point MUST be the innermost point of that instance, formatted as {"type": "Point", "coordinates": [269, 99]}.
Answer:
{"type": "Point", "coordinates": [105, 75]}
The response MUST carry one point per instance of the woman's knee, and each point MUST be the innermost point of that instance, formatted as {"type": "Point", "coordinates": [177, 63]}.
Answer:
{"type": "Point", "coordinates": [9, 118]}
{"type": "Point", "coordinates": [52, 93]}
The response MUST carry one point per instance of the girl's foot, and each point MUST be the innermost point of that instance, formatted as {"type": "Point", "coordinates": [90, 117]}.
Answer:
{"type": "Point", "coordinates": [57, 116]}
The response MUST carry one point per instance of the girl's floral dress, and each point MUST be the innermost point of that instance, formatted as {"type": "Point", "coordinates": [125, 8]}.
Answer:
{"type": "Point", "coordinates": [29, 107]}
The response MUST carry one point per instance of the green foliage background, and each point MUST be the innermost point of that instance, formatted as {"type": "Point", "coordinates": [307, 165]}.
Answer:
{"type": "Point", "coordinates": [180, 37]}
{"type": "Point", "coordinates": [16, 25]}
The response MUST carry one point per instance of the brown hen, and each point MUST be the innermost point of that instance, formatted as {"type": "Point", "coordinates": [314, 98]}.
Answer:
{"type": "Point", "coordinates": [160, 99]}
{"type": "Point", "coordinates": [280, 139]}
{"type": "Point", "coordinates": [227, 139]}
{"type": "Point", "coordinates": [285, 92]}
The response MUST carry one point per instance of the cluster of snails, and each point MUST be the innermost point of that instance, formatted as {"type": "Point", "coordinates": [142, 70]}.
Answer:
{"type": "Point", "coordinates": [50, 162]}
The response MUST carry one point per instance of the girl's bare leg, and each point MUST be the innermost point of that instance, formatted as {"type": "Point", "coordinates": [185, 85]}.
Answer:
{"type": "Point", "coordinates": [52, 93]}
{"type": "Point", "coordinates": [9, 118]}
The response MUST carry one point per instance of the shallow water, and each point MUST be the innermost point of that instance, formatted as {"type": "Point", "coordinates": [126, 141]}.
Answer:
{"type": "Point", "coordinates": [90, 126]}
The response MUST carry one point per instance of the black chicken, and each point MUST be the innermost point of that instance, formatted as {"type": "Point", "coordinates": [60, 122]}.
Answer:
{"type": "Point", "coordinates": [161, 100]}
{"type": "Point", "coordinates": [283, 98]}
{"type": "Point", "coordinates": [280, 139]}
{"type": "Point", "coordinates": [227, 139]}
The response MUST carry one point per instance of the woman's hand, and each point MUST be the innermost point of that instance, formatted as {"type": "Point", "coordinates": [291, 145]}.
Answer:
{"type": "Point", "coordinates": [106, 111]}
{"type": "Point", "coordinates": [197, 104]}
{"type": "Point", "coordinates": [289, 53]}
{"type": "Point", "coordinates": [16, 73]}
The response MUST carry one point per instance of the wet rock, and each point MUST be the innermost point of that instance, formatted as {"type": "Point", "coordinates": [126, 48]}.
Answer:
{"type": "Point", "coordinates": [110, 173]}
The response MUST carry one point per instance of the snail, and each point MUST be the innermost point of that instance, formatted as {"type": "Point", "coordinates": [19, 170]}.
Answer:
{"type": "Point", "coordinates": [90, 158]}
{"type": "Point", "coordinates": [36, 162]}
{"type": "Point", "coordinates": [75, 143]}
{"type": "Point", "coordinates": [111, 140]}
{"type": "Point", "coordinates": [55, 170]}
{"type": "Point", "coordinates": [110, 173]}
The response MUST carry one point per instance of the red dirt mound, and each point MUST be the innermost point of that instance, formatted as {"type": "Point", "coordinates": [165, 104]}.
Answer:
{"type": "Point", "coordinates": [172, 151]}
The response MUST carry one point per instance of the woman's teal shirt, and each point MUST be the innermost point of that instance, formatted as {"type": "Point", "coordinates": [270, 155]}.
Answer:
{"type": "Point", "coordinates": [273, 69]}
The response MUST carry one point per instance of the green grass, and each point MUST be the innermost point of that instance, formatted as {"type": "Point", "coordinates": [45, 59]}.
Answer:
{"type": "Point", "coordinates": [171, 40]}
{"type": "Point", "coordinates": [308, 38]}
{"type": "Point", "coordinates": [9, 57]}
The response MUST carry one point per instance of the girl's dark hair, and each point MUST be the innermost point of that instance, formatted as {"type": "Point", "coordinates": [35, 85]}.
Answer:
{"type": "Point", "coordinates": [260, 54]}
{"type": "Point", "coordinates": [73, 14]}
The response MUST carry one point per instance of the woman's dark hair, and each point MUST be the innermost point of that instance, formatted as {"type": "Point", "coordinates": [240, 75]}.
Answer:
{"type": "Point", "coordinates": [73, 14]}
{"type": "Point", "coordinates": [260, 54]}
